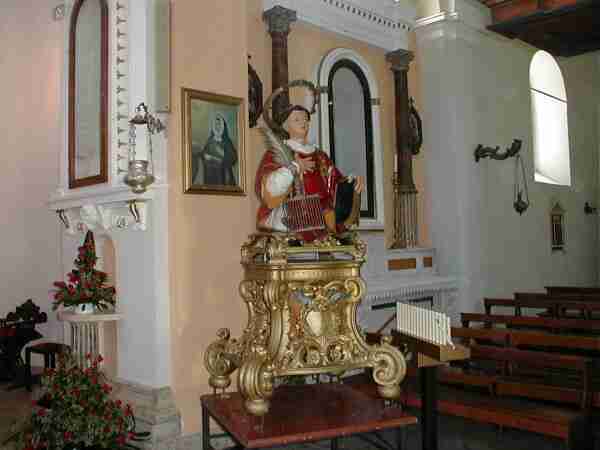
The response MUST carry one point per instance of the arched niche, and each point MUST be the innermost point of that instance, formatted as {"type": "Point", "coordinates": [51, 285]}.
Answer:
{"type": "Point", "coordinates": [351, 69]}
{"type": "Point", "coordinates": [107, 262]}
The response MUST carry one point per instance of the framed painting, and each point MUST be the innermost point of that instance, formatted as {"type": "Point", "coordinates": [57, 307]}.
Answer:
{"type": "Point", "coordinates": [213, 143]}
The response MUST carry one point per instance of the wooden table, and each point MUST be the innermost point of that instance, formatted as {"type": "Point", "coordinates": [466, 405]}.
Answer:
{"type": "Point", "coordinates": [303, 414]}
{"type": "Point", "coordinates": [428, 358]}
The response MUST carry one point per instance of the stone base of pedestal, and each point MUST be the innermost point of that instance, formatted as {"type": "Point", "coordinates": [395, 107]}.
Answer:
{"type": "Point", "coordinates": [155, 411]}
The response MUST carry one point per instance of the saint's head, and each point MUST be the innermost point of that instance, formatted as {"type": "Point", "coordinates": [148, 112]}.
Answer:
{"type": "Point", "coordinates": [295, 120]}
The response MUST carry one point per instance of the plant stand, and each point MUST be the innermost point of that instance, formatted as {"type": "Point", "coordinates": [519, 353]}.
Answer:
{"type": "Point", "coordinates": [87, 333]}
{"type": "Point", "coordinates": [302, 302]}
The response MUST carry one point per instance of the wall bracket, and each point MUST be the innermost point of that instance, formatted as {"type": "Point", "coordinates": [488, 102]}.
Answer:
{"type": "Point", "coordinates": [495, 153]}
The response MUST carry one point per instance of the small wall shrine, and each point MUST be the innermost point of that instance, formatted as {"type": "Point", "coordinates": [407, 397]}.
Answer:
{"type": "Point", "coordinates": [302, 284]}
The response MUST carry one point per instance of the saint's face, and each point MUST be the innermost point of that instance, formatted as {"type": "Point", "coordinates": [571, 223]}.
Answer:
{"type": "Point", "coordinates": [297, 125]}
{"type": "Point", "coordinates": [218, 126]}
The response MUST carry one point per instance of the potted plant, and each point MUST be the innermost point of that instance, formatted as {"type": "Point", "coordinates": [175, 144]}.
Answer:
{"type": "Point", "coordinates": [76, 411]}
{"type": "Point", "coordinates": [86, 288]}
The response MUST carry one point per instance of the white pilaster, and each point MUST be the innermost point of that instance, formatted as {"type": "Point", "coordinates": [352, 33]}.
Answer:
{"type": "Point", "coordinates": [140, 234]}
{"type": "Point", "coordinates": [453, 180]}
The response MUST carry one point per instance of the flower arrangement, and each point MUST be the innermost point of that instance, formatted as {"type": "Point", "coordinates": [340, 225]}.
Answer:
{"type": "Point", "coordinates": [77, 411]}
{"type": "Point", "coordinates": [86, 285]}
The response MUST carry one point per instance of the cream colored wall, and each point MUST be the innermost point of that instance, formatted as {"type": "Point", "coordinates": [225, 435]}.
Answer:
{"type": "Point", "coordinates": [209, 45]}
{"type": "Point", "coordinates": [208, 53]}
{"type": "Point", "coordinates": [31, 66]}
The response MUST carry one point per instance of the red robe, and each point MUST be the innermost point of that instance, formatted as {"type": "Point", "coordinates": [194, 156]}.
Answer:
{"type": "Point", "coordinates": [322, 180]}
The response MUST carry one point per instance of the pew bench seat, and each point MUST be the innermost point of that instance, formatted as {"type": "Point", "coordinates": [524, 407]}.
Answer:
{"type": "Point", "coordinates": [570, 424]}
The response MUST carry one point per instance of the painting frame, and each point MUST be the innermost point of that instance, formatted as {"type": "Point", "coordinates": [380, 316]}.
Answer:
{"type": "Point", "coordinates": [203, 173]}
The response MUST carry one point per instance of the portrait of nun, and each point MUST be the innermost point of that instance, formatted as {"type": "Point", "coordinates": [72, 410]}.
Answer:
{"type": "Point", "coordinates": [214, 162]}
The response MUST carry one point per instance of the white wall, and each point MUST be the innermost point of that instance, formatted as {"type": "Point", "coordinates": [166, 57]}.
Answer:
{"type": "Point", "coordinates": [518, 248]}
{"type": "Point", "coordinates": [476, 91]}
{"type": "Point", "coordinates": [30, 64]}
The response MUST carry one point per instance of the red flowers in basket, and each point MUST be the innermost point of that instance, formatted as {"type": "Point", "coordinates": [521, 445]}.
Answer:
{"type": "Point", "coordinates": [85, 283]}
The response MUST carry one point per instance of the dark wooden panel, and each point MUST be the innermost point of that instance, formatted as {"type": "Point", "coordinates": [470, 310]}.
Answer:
{"type": "Point", "coordinates": [561, 27]}
{"type": "Point", "coordinates": [428, 261]}
{"type": "Point", "coordinates": [402, 264]}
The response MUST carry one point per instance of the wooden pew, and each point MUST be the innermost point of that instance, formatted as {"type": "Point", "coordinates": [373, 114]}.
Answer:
{"type": "Point", "coordinates": [580, 326]}
{"type": "Point", "coordinates": [533, 383]}
{"type": "Point", "coordinates": [558, 306]}
{"type": "Point", "coordinates": [591, 293]}
{"type": "Point", "coordinates": [489, 303]}
{"type": "Point", "coordinates": [517, 352]}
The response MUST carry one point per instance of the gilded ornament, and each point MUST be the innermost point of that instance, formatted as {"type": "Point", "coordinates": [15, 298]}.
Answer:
{"type": "Point", "coordinates": [301, 321]}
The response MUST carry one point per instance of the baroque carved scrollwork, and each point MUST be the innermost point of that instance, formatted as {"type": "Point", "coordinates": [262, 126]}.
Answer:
{"type": "Point", "coordinates": [389, 368]}
{"type": "Point", "coordinates": [301, 321]}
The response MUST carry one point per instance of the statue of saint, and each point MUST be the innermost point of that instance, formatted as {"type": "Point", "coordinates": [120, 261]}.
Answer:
{"type": "Point", "coordinates": [298, 185]}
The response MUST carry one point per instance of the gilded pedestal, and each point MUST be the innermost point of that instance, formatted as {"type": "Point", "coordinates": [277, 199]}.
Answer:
{"type": "Point", "coordinates": [302, 302]}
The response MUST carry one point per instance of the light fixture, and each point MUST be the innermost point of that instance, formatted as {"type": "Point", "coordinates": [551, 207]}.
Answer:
{"type": "Point", "coordinates": [140, 172]}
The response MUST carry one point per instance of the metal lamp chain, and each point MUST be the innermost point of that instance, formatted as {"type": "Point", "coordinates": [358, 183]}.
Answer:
{"type": "Point", "coordinates": [520, 204]}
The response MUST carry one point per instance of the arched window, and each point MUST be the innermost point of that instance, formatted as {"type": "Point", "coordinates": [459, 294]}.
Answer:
{"type": "Point", "coordinates": [349, 126]}
{"type": "Point", "coordinates": [550, 121]}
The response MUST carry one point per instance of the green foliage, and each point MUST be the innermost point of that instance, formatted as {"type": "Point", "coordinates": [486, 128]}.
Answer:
{"type": "Point", "coordinates": [77, 411]}
{"type": "Point", "coordinates": [85, 283]}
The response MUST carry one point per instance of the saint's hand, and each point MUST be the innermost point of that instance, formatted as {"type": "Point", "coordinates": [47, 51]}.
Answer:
{"type": "Point", "coordinates": [306, 165]}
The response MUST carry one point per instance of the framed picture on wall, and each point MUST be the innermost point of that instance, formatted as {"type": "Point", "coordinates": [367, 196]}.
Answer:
{"type": "Point", "coordinates": [213, 143]}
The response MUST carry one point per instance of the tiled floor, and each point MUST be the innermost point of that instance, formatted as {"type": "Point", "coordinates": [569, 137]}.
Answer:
{"type": "Point", "coordinates": [14, 406]}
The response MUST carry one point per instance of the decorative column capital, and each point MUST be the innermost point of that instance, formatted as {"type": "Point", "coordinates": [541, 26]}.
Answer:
{"type": "Point", "coordinates": [279, 19]}
{"type": "Point", "coordinates": [400, 59]}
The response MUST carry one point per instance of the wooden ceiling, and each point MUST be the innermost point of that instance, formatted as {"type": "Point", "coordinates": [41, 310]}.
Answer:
{"type": "Point", "coordinates": [561, 27]}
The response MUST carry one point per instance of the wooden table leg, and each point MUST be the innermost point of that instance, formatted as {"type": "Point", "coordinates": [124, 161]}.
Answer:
{"type": "Point", "coordinates": [205, 430]}
{"type": "Point", "coordinates": [400, 438]}
{"type": "Point", "coordinates": [334, 444]}
{"type": "Point", "coordinates": [429, 416]}
{"type": "Point", "coordinates": [28, 369]}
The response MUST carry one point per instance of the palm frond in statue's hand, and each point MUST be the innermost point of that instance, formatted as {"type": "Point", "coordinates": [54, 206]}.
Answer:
{"type": "Point", "coordinates": [274, 143]}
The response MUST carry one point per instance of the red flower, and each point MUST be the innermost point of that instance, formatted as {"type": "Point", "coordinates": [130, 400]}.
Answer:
{"type": "Point", "coordinates": [68, 436]}
{"type": "Point", "coordinates": [99, 358]}
{"type": "Point", "coordinates": [106, 388]}
{"type": "Point", "coordinates": [41, 412]}
{"type": "Point", "coordinates": [128, 411]}
{"type": "Point", "coordinates": [73, 277]}
{"type": "Point", "coordinates": [121, 439]}
{"type": "Point", "coordinates": [60, 284]}
{"type": "Point", "coordinates": [118, 403]}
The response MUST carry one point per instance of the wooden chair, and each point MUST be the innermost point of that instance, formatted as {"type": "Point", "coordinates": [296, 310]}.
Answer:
{"type": "Point", "coordinates": [18, 329]}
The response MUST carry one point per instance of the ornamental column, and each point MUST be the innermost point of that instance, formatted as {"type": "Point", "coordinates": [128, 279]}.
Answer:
{"type": "Point", "coordinates": [279, 20]}
{"type": "Point", "coordinates": [405, 193]}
